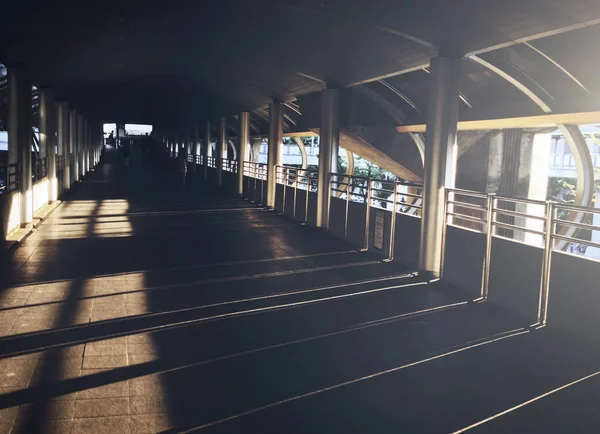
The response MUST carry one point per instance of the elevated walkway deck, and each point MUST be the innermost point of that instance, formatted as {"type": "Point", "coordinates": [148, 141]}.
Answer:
{"type": "Point", "coordinates": [143, 306]}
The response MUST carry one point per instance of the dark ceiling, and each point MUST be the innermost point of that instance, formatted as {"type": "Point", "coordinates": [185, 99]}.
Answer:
{"type": "Point", "coordinates": [183, 61]}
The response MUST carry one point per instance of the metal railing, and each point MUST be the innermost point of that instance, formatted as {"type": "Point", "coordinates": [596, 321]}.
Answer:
{"type": "Point", "coordinates": [298, 179]}
{"type": "Point", "coordinates": [466, 209]}
{"type": "Point", "coordinates": [351, 189]}
{"type": "Point", "coordinates": [39, 169]}
{"type": "Point", "coordinates": [395, 196]}
{"type": "Point", "coordinates": [60, 163]}
{"type": "Point", "coordinates": [504, 217]}
{"type": "Point", "coordinates": [404, 197]}
{"type": "Point", "coordinates": [256, 174]}
{"type": "Point", "coordinates": [230, 165]}
{"type": "Point", "coordinates": [255, 170]}
{"type": "Point", "coordinates": [9, 178]}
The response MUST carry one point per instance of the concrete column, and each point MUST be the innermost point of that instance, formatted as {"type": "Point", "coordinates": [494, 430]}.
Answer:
{"type": "Point", "coordinates": [244, 146]}
{"type": "Point", "coordinates": [19, 136]}
{"type": "Point", "coordinates": [73, 146]}
{"type": "Point", "coordinates": [221, 144]}
{"type": "Point", "coordinates": [63, 142]}
{"type": "Point", "coordinates": [195, 147]}
{"type": "Point", "coordinates": [84, 168]}
{"type": "Point", "coordinates": [329, 139]}
{"type": "Point", "coordinates": [274, 155]}
{"type": "Point", "coordinates": [48, 140]}
{"type": "Point", "coordinates": [81, 145]}
{"type": "Point", "coordinates": [440, 158]}
{"type": "Point", "coordinates": [96, 140]}
{"type": "Point", "coordinates": [101, 142]}
{"type": "Point", "coordinates": [207, 150]}
{"type": "Point", "coordinates": [89, 145]}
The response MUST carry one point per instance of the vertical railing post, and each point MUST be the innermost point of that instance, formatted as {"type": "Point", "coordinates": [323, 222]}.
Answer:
{"type": "Point", "coordinates": [295, 193]}
{"type": "Point", "coordinates": [262, 186]}
{"type": "Point", "coordinates": [489, 235]}
{"type": "Point", "coordinates": [393, 223]}
{"type": "Point", "coordinates": [308, 175]}
{"type": "Point", "coordinates": [329, 179]}
{"type": "Point", "coordinates": [284, 175]}
{"type": "Point", "coordinates": [255, 177]}
{"type": "Point", "coordinates": [368, 214]}
{"type": "Point", "coordinates": [547, 264]}
{"type": "Point", "coordinates": [347, 206]}
{"type": "Point", "coordinates": [246, 173]}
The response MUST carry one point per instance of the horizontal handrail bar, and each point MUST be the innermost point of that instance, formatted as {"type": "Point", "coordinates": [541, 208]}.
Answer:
{"type": "Point", "coordinates": [569, 207]}
{"type": "Point", "coordinates": [521, 200]}
{"type": "Point", "coordinates": [578, 225]}
{"type": "Point", "coordinates": [468, 205]}
{"type": "Point", "coordinates": [518, 214]}
{"type": "Point", "coordinates": [416, 196]}
{"type": "Point", "coordinates": [518, 228]}
{"type": "Point", "coordinates": [462, 191]}
{"type": "Point", "coordinates": [467, 217]}
{"type": "Point", "coordinates": [576, 240]}
{"type": "Point", "coordinates": [410, 206]}
{"type": "Point", "coordinates": [382, 189]}
{"type": "Point", "coordinates": [344, 175]}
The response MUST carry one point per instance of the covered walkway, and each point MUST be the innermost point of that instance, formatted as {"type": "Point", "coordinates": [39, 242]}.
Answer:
{"type": "Point", "coordinates": [140, 306]}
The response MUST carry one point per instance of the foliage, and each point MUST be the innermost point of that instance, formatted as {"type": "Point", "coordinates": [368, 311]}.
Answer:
{"type": "Point", "coordinates": [564, 190]}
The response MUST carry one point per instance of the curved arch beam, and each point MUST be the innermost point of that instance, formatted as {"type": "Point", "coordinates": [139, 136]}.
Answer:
{"type": "Point", "coordinates": [585, 178]}
{"type": "Point", "coordinates": [558, 65]}
{"type": "Point", "coordinates": [397, 92]}
{"type": "Point", "coordinates": [234, 149]}
{"type": "Point", "coordinates": [394, 112]}
{"type": "Point", "coordinates": [303, 153]}
{"type": "Point", "coordinates": [349, 171]}
{"type": "Point", "coordinates": [419, 142]}
{"type": "Point", "coordinates": [516, 83]}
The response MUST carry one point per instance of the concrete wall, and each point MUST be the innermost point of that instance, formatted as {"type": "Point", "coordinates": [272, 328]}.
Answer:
{"type": "Point", "coordinates": [312, 208]}
{"type": "Point", "coordinates": [407, 240]}
{"type": "Point", "coordinates": [245, 186]}
{"type": "Point", "coordinates": [301, 205]}
{"type": "Point", "coordinates": [40, 194]}
{"type": "Point", "coordinates": [279, 190]}
{"type": "Point", "coordinates": [290, 202]}
{"type": "Point", "coordinates": [514, 273]}
{"type": "Point", "coordinates": [574, 295]}
{"type": "Point", "coordinates": [9, 214]}
{"type": "Point", "coordinates": [515, 276]}
{"type": "Point", "coordinates": [463, 261]}
{"type": "Point", "coordinates": [357, 218]}
{"type": "Point", "coordinates": [263, 199]}
{"type": "Point", "coordinates": [230, 182]}
{"type": "Point", "coordinates": [337, 217]}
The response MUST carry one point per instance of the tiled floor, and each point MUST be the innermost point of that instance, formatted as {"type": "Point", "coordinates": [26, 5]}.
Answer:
{"type": "Point", "coordinates": [140, 307]}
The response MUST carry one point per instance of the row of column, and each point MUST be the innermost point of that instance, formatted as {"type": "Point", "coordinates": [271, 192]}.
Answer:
{"type": "Point", "coordinates": [63, 132]}
{"type": "Point", "coordinates": [440, 154]}
{"type": "Point", "coordinates": [329, 145]}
